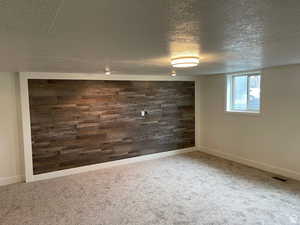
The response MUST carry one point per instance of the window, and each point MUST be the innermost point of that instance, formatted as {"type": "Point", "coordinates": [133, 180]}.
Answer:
{"type": "Point", "coordinates": [243, 92]}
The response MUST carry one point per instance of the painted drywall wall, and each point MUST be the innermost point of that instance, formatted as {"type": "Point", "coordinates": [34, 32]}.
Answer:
{"type": "Point", "coordinates": [11, 159]}
{"type": "Point", "coordinates": [271, 140]}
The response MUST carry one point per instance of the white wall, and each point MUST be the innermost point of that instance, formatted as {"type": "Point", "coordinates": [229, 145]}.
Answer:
{"type": "Point", "coordinates": [11, 159]}
{"type": "Point", "coordinates": [270, 141]}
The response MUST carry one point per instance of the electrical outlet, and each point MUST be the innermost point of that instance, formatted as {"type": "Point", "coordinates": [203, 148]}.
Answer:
{"type": "Point", "coordinates": [143, 113]}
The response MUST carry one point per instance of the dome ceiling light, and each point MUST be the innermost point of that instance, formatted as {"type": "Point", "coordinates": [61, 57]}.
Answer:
{"type": "Point", "coordinates": [185, 62]}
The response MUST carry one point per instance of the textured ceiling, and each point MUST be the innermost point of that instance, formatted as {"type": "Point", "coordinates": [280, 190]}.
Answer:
{"type": "Point", "coordinates": [140, 36]}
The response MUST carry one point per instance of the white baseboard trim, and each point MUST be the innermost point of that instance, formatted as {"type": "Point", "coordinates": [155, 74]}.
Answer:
{"type": "Point", "coordinates": [259, 165]}
{"type": "Point", "coordinates": [10, 180]}
{"type": "Point", "coordinates": [82, 169]}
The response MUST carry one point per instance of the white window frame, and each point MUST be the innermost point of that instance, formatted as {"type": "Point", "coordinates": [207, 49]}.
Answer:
{"type": "Point", "coordinates": [229, 93]}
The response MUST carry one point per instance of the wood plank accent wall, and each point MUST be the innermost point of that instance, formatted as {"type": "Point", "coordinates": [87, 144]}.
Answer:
{"type": "Point", "coordinates": [82, 122]}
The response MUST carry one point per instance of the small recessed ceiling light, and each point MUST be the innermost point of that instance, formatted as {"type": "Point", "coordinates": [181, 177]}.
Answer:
{"type": "Point", "coordinates": [184, 62]}
{"type": "Point", "coordinates": [173, 74]}
{"type": "Point", "coordinates": [107, 71]}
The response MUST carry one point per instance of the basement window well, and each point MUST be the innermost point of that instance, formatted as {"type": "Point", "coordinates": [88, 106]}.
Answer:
{"type": "Point", "coordinates": [243, 92]}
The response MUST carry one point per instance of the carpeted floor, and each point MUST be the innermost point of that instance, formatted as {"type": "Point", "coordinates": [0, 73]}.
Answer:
{"type": "Point", "coordinates": [188, 189]}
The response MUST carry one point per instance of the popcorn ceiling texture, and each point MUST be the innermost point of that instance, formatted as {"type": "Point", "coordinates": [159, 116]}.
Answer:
{"type": "Point", "coordinates": [140, 36]}
{"type": "Point", "coordinates": [188, 189]}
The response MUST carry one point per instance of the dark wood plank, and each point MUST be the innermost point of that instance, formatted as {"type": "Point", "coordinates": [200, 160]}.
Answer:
{"type": "Point", "coordinates": [76, 123]}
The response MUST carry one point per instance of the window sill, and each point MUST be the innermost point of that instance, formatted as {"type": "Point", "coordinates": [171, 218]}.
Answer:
{"type": "Point", "coordinates": [246, 113]}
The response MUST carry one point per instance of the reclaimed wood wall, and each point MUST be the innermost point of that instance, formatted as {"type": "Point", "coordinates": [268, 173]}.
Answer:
{"type": "Point", "coordinates": [78, 122]}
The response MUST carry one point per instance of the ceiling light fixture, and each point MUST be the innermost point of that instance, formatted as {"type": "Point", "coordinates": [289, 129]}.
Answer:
{"type": "Point", "coordinates": [184, 62]}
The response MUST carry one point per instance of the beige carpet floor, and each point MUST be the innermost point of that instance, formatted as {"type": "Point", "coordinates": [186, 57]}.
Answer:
{"type": "Point", "coordinates": [188, 189]}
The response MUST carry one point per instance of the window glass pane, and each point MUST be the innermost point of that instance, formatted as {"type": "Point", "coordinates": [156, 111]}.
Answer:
{"type": "Point", "coordinates": [239, 93]}
{"type": "Point", "coordinates": [254, 93]}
